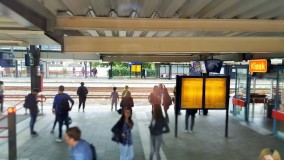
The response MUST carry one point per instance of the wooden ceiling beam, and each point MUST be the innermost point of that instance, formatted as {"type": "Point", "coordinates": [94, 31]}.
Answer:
{"type": "Point", "coordinates": [173, 45]}
{"type": "Point", "coordinates": [163, 24]}
{"type": "Point", "coordinates": [149, 58]}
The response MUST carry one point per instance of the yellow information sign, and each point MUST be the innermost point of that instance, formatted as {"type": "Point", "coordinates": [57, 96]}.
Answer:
{"type": "Point", "coordinates": [215, 93]}
{"type": "Point", "coordinates": [191, 93]}
{"type": "Point", "coordinates": [135, 68]}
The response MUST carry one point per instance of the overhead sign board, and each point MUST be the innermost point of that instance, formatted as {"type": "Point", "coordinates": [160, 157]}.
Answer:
{"type": "Point", "coordinates": [135, 68]}
{"type": "Point", "coordinates": [258, 66]}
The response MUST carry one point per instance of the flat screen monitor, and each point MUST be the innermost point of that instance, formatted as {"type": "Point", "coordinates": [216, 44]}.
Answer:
{"type": "Point", "coordinates": [213, 65]}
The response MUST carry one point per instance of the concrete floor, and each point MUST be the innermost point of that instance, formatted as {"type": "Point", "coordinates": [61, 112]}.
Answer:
{"type": "Point", "coordinates": [207, 142]}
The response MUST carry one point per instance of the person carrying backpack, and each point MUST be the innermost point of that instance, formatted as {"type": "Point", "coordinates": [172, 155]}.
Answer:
{"type": "Point", "coordinates": [31, 104]}
{"type": "Point", "coordinates": [61, 108]}
{"type": "Point", "coordinates": [82, 92]}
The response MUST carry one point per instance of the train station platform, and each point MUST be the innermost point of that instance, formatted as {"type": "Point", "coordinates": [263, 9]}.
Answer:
{"type": "Point", "coordinates": [208, 140]}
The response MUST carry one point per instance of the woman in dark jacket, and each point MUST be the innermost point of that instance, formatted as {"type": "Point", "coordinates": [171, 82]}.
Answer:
{"type": "Point", "coordinates": [158, 127]}
{"type": "Point", "coordinates": [127, 101]}
{"type": "Point", "coordinates": [122, 134]}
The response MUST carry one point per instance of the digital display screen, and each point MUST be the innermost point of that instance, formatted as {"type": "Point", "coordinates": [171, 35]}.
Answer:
{"type": "Point", "coordinates": [215, 93]}
{"type": "Point", "coordinates": [202, 92]}
{"type": "Point", "coordinates": [191, 93]}
{"type": "Point", "coordinates": [135, 68]}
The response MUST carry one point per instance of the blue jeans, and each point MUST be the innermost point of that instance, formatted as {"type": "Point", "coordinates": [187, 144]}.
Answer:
{"type": "Point", "coordinates": [155, 145]}
{"type": "Point", "coordinates": [192, 121]}
{"type": "Point", "coordinates": [62, 118]}
{"type": "Point", "coordinates": [126, 152]}
{"type": "Point", "coordinates": [33, 121]}
{"type": "Point", "coordinates": [54, 124]}
{"type": "Point", "coordinates": [82, 100]}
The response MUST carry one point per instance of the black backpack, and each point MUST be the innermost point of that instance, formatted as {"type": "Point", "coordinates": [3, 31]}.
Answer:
{"type": "Point", "coordinates": [82, 91]}
{"type": "Point", "coordinates": [64, 106]}
{"type": "Point", "coordinates": [29, 100]}
{"type": "Point", "coordinates": [93, 149]}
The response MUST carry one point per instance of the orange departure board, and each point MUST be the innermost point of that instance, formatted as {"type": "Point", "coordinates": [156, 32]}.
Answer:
{"type": "Point", "coordinates": [191, 93]}
{"type": "Point", "coordinates": [215, 93]}
{"type": "Point", "coordinates": [135, 68]}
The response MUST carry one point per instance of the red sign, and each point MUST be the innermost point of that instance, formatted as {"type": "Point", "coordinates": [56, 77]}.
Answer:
{"type": "Point", "coordinates": [279, 115]}
{"type": "Point", "coordinates": [238, 102]}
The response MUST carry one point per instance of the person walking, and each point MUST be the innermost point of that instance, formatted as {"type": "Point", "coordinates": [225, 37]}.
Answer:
{"type": "Point", "coordinates": [127, 101]}
{"type": "Point", "coordinates": [157, 127]}
{"type": "Point", "coordinates": [74, 69]}
{"type": "Point", "coordinates": [177, 110]}
{"type": "Point", "coordinates": [95, 72]}
{"type": "Point", "coordinates": [61, 114]}
{"type": "Point", "coordinates": [1, 96]}
{"type": "Point", "coordinates": [31, 103]}
{"type": "Point", "coordinates": [190, 112]}
{"type": "Point", "coordinates": [82, 92]}
{"type": "Point", "coordinates": [80, 149]}
{"type": "Point", "coordinates": [167, 101]}
{"type": "Point", "coordinates": [123, 130]}
{"type": "Point", "coordinates": [126, 89]}
{"type": "Point", "coordinates": [114, 97]}
{"type": "Point", "coordinates": [154, 97]}
{"type": "Point", "coordinates": [83, 72]}
{"type": "Point", "coordinates": [143, 74]}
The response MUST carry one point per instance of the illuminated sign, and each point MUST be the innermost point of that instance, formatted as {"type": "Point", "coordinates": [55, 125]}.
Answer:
{"type": "Point", "coordinates": [215, 93]}
{"type": "Point", "coordinates": [135, 68]}
{"type": "Point", "coordinates": [191, 93]}
{"type": "Point", "coordinates": [202, 92]}
{"type": "Point", "coordinates": [259, 65]}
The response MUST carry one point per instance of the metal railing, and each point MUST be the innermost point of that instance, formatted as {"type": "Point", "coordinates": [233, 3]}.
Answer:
{"type": "Point", "coordinates": [11, 126]}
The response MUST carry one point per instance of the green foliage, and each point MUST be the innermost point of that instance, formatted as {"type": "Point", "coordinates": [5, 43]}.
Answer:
{"type": "Point", "coordinates": [124, 71]}
{"type": "Point", "coordinates": [119, 64]}
{"type": "Point", "coordinates": [147, 65]}
{"type": "Point", "coordinates": [96, 64]}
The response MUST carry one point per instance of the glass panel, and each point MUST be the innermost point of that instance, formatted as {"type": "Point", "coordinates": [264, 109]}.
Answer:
{"type": "Point", "coordinates": [260, 96]}
{"type": "Point", "coordinates": [280, 124]}
{"type": "Point", "coordinates": [241, 91]}
{"type": "Point", "coordinates": [164, 71]}
{"type": "Point", "coordinates": [281, 89]}
{"type": "Point", "coordinates": [51, 48]}
{"type": "Point", "coordinates": [174, 70]}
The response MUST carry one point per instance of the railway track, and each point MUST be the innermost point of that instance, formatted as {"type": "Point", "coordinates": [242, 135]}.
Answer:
{"type": "Point", "coordinates": [94, 92]}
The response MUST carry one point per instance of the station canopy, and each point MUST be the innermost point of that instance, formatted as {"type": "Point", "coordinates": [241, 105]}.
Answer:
{"type": "Point", "coordinates": [148, 30]}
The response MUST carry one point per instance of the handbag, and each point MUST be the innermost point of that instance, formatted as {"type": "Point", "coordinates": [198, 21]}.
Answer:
{"type": "Point", "coordinates": [115, 138]}
{"type": "Point", "coordinates": [119, 111]}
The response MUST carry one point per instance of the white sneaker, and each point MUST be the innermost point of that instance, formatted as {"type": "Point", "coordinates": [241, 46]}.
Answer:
{"type": "Point", "coordinates": [191, 131]}
{"type": "Point", "coordinates": [186, 131]}
{"type": "Point", "coordinates": [58, 140]}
